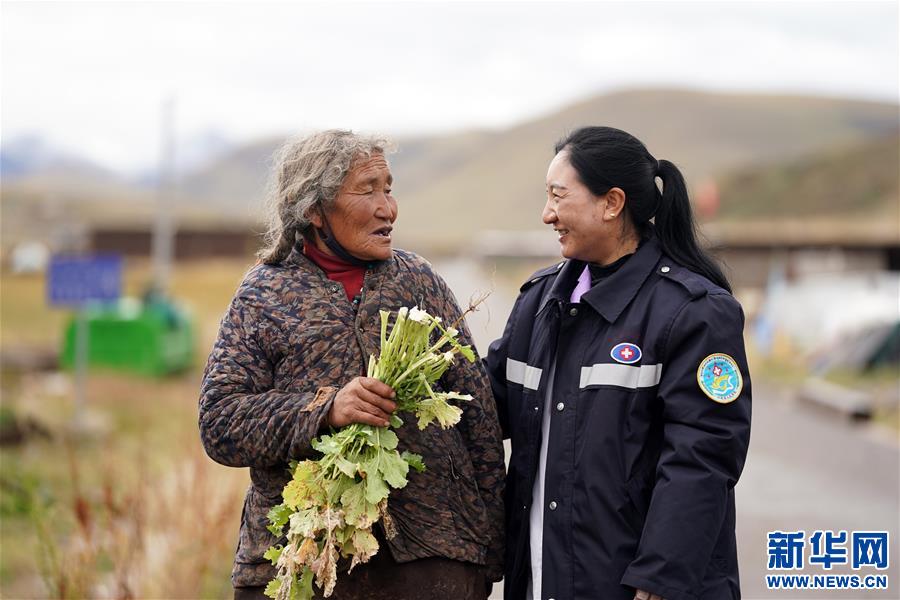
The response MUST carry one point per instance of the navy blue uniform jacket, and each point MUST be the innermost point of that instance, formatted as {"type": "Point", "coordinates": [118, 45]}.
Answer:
{"type": "Point", "coordinates": [641, 463]}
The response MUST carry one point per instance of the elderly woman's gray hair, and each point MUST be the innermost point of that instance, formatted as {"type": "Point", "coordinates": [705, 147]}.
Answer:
{"type": "Point", "coordinates": [307, 174]}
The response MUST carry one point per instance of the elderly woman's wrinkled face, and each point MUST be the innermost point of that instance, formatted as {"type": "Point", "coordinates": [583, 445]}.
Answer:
{"type": "Point", "coordinates": [364, 210]}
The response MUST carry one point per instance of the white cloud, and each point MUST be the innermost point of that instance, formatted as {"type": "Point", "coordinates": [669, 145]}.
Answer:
{"type": "Point", "coordinates": [91, 76]}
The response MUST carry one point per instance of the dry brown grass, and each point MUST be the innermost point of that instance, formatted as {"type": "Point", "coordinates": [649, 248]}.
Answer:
{"type": "Point", "coordinates": [205, 287]}
{"type": "Point", "coordinates": [133, 508]}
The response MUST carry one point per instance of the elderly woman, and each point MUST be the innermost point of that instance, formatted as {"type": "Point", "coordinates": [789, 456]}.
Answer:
{"type": "Point", "coordinates": [287, 366]}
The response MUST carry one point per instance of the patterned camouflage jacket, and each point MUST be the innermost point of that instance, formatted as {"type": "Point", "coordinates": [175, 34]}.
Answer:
{"type": "Point", "coordinates": [288, 342]}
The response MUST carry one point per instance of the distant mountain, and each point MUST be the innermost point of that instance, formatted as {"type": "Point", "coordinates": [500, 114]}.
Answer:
{"type": "Point", "coordinates": [451, 187]}
{"type": "Point", "coordinates": [497, 180]}
{"type": "Point", "coordinates": [192, 153]}
{"type": "Point", "coordinates": [236, 181]}
{"type": "Point", "coordinates": [32, 155]}
{"type": "Point", "coordinates": [852, 182]}
{"type": "Point", "coordinates": [202, 149]}
{"type": "Point", "coordinates": [494, 179]}
{"type": "Point", "coordinates": [848, 195]}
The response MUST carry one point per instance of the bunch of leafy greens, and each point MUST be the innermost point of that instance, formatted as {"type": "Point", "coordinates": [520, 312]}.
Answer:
{"type": "Point", "coordinates": [331, 504]}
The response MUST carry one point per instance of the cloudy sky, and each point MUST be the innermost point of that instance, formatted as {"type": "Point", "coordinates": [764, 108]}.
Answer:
{"type": "Point", "coordinates": [91, 77]}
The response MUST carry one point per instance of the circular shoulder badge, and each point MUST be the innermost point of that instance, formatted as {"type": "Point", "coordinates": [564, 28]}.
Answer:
{"type": "Point", "coordinates": [626, 353]}
{"type": "Point", "coordinates": [720, 378]}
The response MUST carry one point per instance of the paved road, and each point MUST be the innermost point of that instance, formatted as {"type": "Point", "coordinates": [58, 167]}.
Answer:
{"type": "Point", "coordinates": [808, 471]}
{"type": "Point", "coordinates": [805, 471]}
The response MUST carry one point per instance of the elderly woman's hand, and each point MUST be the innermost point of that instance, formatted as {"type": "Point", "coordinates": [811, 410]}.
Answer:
{"type": "Point", "coordinates": [364, 400]}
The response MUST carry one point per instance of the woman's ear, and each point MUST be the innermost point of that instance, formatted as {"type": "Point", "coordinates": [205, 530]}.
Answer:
{"type": "Point", "coordinates": [315, 217]}
{"type": "Point", "coordinates": [615, 203]}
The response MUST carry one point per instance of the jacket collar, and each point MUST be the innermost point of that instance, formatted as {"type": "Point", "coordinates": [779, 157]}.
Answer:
{"type": "Point", "coordinates": [297, 259]}
{"type": "Point", "coordinates": [613, 294]}
{"type": "Point", "coordinates": [562, 285]}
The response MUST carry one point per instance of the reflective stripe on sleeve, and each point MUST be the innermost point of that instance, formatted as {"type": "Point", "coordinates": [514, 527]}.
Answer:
{"type": "Point", "coordinates": [625, 376]}
{"type": "Point", "coordinates": [523, 374]}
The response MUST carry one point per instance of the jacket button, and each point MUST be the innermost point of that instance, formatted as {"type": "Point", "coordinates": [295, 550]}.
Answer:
{"type": "Point", "coordinates": [553, 505]}
{"type": "Point", "coordinates": [573, 312]}
{"type": "Point", "coordinates": [333, 289]}
{"type": "Point", "coordinates": [537, 408]}
{"type": "Point", "coordinates": [560, 406]}
{"type": "Point", "coordinates": [665, 269]}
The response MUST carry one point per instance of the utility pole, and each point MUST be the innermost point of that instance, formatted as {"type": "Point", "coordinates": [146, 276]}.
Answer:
{"type": "Point", "coordinates": [164, 226]}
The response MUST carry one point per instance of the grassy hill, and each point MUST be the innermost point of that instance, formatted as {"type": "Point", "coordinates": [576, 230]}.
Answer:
{"type": "Point", "coordinates": [452, 186]}
{"type": "Point", "coordinates": [501, 185]}
{"type": "Point", "coordinates": [236, 183]}
{"type": "Point", "coordinates": [859, 180]}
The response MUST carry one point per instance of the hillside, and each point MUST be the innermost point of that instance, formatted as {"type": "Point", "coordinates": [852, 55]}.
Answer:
{"type": "Point", "coordinates": [858, 181]}
{"type": "Point", "coordinates": [705, 133]}
{"type": "Point", "coordinates": [451, 186]}
{"type": "Point", "coordinates": [501, 186]}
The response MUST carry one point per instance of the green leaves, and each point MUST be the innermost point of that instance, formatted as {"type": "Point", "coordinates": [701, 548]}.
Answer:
{"type": "Point", "coordinates": [394, 469]}
{"type": "Point", "coordinates": [414, 460]}
{"type": "Point", "coordinates": [330, 504]}
{"type": "Point", "coordinates": [336, 488]}
{"type": "Point", "coordinates": [327, 444]}
{"type": "Point", "coordinates": [358, 511]}
{"type": "Point", "coordinates": [272, 588]}
{"type": "Point", "coordinates": [467, 352]}
{"type": "Point", "coordinates": [304, 489]}
{"type": "Point", "coordinates": [437, 409]}
{"type": "Point", "coordinates": [306, 523]}
{"type": "Point", "coordinates": [365, 546]}
{"type": "Point", "coordinates": [346, 467]}
{"type": "Point", "coordinates": [384, 438]}
{"type": "Point", "coordinates": [278, 517]}
{"type": "Point", "coordinates": [303, 587]}
{"type": "Point", "coordinates": [376, 488]}
{"type": "Point", "coordinates": [273, 554]}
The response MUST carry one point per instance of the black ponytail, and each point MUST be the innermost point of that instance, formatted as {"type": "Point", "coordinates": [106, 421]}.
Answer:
{"type": "Point", "coordinates": [605, 157]}
{"type": "Point", "coordinates": [676, 230]}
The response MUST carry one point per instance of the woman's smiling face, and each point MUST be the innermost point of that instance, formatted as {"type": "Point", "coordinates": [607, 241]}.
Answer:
{"type": "Point", "coordinates": [578, 216]}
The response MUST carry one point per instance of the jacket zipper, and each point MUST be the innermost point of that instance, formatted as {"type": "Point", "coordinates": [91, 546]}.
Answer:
{"type": "Point", "coordinates": [356, 322]}
{"type": "Point", "coordinates": [452, 470]}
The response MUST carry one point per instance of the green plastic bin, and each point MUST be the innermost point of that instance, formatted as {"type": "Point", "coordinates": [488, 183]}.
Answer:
{"type": "Point", "coordinates": [153, 337]}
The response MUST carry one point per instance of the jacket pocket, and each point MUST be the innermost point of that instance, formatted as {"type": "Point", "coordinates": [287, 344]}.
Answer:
{"type": "Point", "coordinates": [469, 510]}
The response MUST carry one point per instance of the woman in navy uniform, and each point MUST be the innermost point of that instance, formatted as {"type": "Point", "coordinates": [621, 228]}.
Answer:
{"type": "Point", "coordinates": [622, 381]}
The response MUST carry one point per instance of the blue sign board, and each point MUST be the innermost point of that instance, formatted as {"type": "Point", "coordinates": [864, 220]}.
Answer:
{"type": "Point", "coordinates": [78, 280]}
